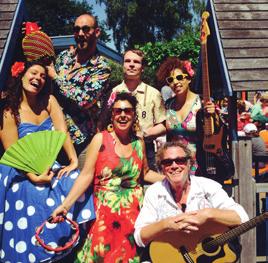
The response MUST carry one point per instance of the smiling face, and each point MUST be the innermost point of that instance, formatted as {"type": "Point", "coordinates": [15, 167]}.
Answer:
{"type": "Point", "coordinates": [180, 82]}
{"type": "Point", "coordinates": [85, 32]}
{"type": "Point", "coordinates": [122, 116]}
{"type": "Point", "coordinates": [132, 66]}
{"type": "Point", "coordinates": [34, 80]}
{"type": "Point", "coordinates": [175, 166]}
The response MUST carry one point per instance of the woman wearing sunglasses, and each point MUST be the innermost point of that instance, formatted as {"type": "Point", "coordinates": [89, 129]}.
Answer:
{"type": "Point", "coordinates": [115, 165]}
{"type": "Point", "coordinates": [183, 107]}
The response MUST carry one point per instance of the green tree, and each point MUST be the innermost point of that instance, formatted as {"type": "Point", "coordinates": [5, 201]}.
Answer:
{"type": "Point", "coordinates": [186, 46]}
{"type": "Point", "coordinates": [141, 21]}
{"type": "Point", "coordinates": [57, 17]}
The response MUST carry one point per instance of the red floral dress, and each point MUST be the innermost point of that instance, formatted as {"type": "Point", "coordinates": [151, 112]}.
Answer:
{"type": "Point", "coordinates": [117, 198]}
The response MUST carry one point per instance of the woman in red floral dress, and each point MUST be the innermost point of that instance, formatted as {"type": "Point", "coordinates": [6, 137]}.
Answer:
{"type": "Point", "coordinates": [115, 164]}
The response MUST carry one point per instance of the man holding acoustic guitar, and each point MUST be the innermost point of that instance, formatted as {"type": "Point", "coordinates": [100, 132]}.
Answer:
{"type": "Point", "coordinates": [182, 210]}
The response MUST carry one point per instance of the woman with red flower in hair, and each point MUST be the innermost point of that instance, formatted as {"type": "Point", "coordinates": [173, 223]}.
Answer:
{"type": "Point", "coordinates": [28, 198]}
{"type": "Point", "coordinates": [115, 165]}
{"type": "Point", "coordinates": [183, 107]}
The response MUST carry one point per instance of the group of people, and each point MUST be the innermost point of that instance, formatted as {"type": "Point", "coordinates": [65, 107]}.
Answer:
{"type": "Point", "coordinates": [109, 154]}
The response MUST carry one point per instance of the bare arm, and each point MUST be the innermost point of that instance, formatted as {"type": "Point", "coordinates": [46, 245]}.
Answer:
{"type": "Point", "coordinates": [85, 178]}
{"type": "Point", "coordinates": [224, 217]}
{"type": "Point", "coordinates": [184, 222]}
{"type": "Point", "coordinates": [155, 131]}
{"type": "Point", "coordinates": [9, 133]}
{"type": "Point", "coordinates": [214, 218]}
{"type": "Point", "coordinates": [58, 120]}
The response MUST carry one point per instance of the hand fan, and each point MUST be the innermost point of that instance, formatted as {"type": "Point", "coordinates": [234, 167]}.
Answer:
{"type": "Point", "coordinates": [34, 152]}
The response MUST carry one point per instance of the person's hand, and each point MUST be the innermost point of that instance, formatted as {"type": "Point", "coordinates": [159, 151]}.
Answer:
{"type": "Point", "coordinates": [209, 108]}
{"type": "Point", "coordinates": [202, 216]}
{"type": "Point", "coordinates": [60, 210]}
{"type": "Point", "coordinates": [185, 222]}
{"type": "Point", "coordinates": [51, 71]}
{"type": "Point", "coordinates": [44, 178]}
{"type": "Point", "coordinates": [67, 169]}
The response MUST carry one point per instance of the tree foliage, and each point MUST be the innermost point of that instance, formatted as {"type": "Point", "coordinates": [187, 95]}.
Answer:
{"type": "Point", "coordinates": [186, 46]}
{"type": "Point", "coordinates": [57, 16]}
{"type": "Point", "coordinates": [142, 21]}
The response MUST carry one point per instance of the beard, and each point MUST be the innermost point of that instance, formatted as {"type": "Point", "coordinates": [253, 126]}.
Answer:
{"type": "Point", "coordinates": [84, 44]}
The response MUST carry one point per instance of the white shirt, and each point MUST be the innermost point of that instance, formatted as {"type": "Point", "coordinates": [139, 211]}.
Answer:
{"type": "Point", "coordinates": [204, 193]}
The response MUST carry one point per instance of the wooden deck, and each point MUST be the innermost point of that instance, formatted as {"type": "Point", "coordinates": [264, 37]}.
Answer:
{"type": "Point", "coordinates": [7, 11]}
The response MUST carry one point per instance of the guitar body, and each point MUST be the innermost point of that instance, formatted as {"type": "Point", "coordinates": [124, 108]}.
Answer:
{"type": "Point", "coordinates": [182, 249]}
{"type": "Point", "coordinates": [179, 247]}
{"type": "Point", "coordinates": [213, 158]}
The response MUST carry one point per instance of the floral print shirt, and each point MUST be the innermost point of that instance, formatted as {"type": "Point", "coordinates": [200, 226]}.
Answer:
{"type": "Point", "coordinates": [80, 92]}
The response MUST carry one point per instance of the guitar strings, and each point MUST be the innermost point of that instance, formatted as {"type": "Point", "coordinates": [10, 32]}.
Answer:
{"type": "Point", "coordinates": [220, 240]}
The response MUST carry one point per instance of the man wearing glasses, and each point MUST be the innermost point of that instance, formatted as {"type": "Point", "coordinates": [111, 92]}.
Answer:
{"type": "Point", "coordinates": [81, 75]}
{"type": "Point", "coordinates": [182, 203]}
{"type": "Point", "coordinates": [150, 109]}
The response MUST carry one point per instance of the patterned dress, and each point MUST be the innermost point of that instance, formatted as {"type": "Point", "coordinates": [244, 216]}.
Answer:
{"type": "Point", "coordinates": [184, 131]}
{"type": "Point", "coordinates": [117, 198]}
{"type": "Point", "coordinates": [24, 206]}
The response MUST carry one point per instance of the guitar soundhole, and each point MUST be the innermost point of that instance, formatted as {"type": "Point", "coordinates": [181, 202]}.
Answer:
{"type": "Point", "coordinates": [208, 246]}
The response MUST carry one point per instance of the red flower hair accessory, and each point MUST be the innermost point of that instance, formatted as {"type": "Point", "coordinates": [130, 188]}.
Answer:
{"type": "Point", "coordinates": [17, 68]}
{"type": "Point", "coordinates": [188, 66]}
{"type": "Point", "coordinates": [31, 27]}
{"type": "Point", "coordinates": [111, 99]}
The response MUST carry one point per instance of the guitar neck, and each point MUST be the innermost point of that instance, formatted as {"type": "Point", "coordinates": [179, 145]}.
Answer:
{"type": "Point", "coordinates": [237, 231]}
{"type": "Point", "coordinates": [205, 75]}
{"type": "Point", "coordinates": [208, 121]}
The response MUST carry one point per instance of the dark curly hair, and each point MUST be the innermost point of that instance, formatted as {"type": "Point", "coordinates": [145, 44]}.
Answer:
{"type": "Point", "coordinates": [107, 113]}
{"type": "Point", "coordinates": [14, 89]}
{"type": "Point", "coordinates": [166, 67]}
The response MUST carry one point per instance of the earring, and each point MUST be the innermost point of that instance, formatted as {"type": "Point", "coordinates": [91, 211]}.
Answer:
{"type": "Point", "coordinates": [110, 127]}
{"type": "Point", "coordinates": [136, 126]}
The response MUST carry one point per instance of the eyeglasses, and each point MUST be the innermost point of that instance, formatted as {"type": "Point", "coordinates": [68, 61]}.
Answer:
{"type": "Point", "coordinates": [179, 77]}
{"type": "Point", "coordinates": [85, 29]}
{"type": "Point", "coordinates": [178, 161]}
{"type": "Point", "coordinates": [118, 111]}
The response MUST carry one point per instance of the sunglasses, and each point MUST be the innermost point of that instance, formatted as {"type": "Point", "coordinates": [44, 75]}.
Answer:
{"type": "Point", "coordinates": [85, 29]}
{"type": "Point", "coordinates": [118, 111]}
{"type": "Point", "coordinates": [179, 77]}
{"type": "Point", "coordinates": [178, 161]}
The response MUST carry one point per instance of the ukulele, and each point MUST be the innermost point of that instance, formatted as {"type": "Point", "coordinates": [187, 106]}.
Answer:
{"type": "Point", "coordinates": [174, 247]}
{"type": "Point", "coordinates": [216, 162]}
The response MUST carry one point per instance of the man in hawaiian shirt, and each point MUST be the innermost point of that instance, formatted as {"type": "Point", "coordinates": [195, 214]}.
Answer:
{"type": "Point", "coordinates": [81, 75]}
{"type": "Point", "coordinates": [150, 109]}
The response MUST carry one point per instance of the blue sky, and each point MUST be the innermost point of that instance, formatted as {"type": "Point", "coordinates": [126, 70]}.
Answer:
{"type": "Point", "coordinates": [100, 12]}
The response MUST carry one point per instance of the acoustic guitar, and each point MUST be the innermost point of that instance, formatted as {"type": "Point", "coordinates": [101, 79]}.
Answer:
{"type": "Point", "coordinates": [174, 247]}
{"type": "Point", "coordinates": [216, 162]}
